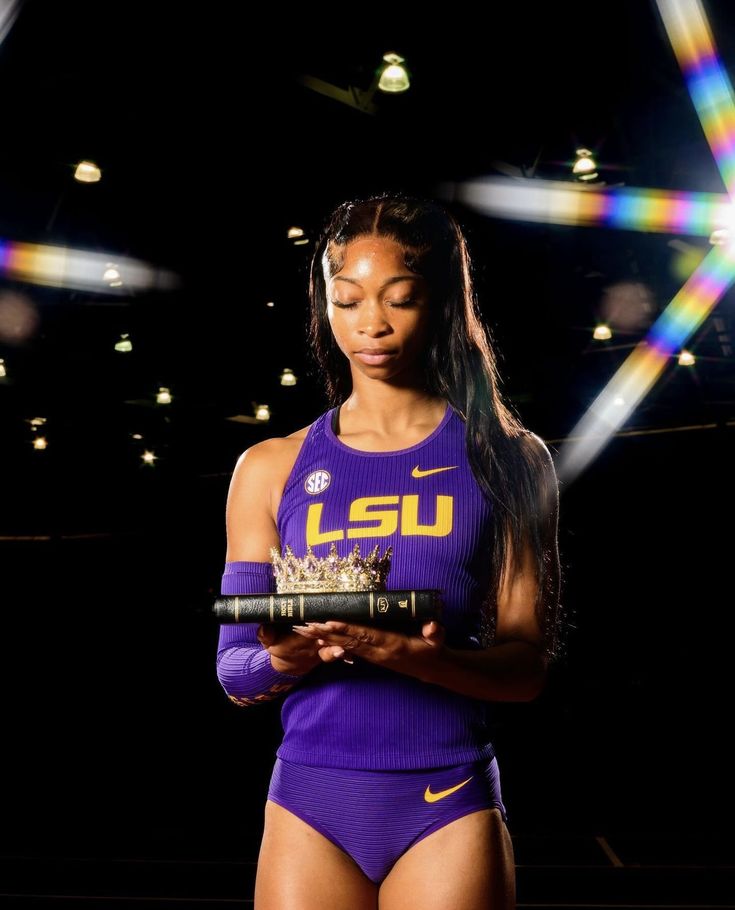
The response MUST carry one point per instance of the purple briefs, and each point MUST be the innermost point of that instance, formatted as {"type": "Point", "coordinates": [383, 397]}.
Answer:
{"type": "Point", "coordinates": [375, 816]}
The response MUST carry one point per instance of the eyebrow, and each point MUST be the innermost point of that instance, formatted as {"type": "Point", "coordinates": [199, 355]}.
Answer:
{"type": "Point", "coordinates": [385, 284]}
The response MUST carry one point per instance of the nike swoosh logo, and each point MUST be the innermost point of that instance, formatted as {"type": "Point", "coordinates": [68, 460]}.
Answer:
{"type": "Point", "coordinates": [433, 797]}
{"type": "Point", "coordinates": [417, 472]}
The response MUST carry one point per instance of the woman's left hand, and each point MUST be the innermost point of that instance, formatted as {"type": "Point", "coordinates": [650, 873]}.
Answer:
{"type": "Point", "coordinates": [410, 654]}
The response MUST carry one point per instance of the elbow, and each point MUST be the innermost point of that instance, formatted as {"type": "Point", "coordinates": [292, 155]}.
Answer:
{"type": "Point", "coordinates": [534, 690]}
{"type": "Point", "coordinates": [525, 691]}
{"type": "Point", "coordinates": [529, 684]}
{"type": "Point", "coordinates": [535, 681]}
{"type": "Point", "coordinates": [526, 680]}
{"type": "Point", "coordinates": [230, 680]}
{"type": "Point", "coordinates": [246, 685]}
{"type": "Point", "coordinates": [234, 692]}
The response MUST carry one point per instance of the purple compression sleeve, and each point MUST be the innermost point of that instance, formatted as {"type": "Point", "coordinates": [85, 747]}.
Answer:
{"type": "Point", "coordinates": [244, 666]}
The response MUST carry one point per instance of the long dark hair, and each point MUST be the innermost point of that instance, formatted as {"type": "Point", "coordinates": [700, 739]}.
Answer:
{"type": "Point", "coordinates": [511, 464]}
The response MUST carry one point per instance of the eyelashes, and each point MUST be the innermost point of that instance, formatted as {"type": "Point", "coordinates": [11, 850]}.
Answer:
{"type": "Point", "coordinates": [349, 306]}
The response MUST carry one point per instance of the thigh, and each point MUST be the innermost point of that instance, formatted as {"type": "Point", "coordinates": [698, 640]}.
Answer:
{"type": "Point", "coordinates": [467, 864]}
{"type": "Point", "coordinates": [300, 869]}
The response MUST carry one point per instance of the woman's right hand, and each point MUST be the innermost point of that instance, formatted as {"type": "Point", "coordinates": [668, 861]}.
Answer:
{"type": "Point", "coordinates": [293, 653]}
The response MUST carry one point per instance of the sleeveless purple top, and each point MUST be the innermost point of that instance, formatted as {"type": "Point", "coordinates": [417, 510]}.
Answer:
{"type": "Point", "coordinates": [425, 502]}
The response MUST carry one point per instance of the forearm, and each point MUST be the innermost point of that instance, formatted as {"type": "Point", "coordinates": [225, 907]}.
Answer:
{"type": "Point", "coordinates": [245, 669]}
{"type": "Point", "coordinates": [510, 671]}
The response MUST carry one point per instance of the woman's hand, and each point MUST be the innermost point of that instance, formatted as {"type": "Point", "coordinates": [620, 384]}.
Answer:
{"type": "Point", "coordinates": [410, 654]}
{"type": "Point", "coordinates": [294, 653]}
{"type": "Point", "coordinates": [291, 653]}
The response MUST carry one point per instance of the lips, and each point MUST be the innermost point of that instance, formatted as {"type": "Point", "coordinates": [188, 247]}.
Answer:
{"type": "Point", "coordinates": [374, 355]}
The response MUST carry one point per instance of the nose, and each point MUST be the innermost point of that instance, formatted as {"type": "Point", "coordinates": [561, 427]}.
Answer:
{"type": "Point", "coordinates": [373, 320]}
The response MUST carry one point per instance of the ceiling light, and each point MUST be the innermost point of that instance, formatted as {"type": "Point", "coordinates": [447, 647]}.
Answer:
{"type": "Point", "coordinates": [584, 167]}
{"type": "Point", "coordinates": [394, 77]}
{"type": "Point", "coordinates": [112, 275]}
{"type": "Point", "coordinates": [87, 172]}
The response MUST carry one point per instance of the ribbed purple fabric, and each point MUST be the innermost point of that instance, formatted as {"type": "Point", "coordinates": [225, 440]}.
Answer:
{"type": "Point", "coordinates": [424, 501]}
{"type": "Point", "coordinates": [243, 665]}
{"type": "Point", "coordinates": [375, 816]}
{"type": "Point", "coordinates": [428, 506]}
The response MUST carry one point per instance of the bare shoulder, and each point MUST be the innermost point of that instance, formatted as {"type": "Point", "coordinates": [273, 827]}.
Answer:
{"type": "Point", "coordinates": [270, 461]}
{"type": "Point", "coordinates": [280, 448]}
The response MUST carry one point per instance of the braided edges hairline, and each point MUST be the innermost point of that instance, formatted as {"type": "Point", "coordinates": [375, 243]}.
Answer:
{"type": "Point", "coordinates": [332, 259]}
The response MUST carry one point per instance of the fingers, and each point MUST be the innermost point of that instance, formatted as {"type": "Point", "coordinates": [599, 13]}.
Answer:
{"type": "Point", "coordinates": [269, 634]}
{"type": "Point", "coordinates": [349, 636]}
{"type": "Point", "coordinates": [433, 633]}
{"type": "Point", "coordinates": [330, 653]}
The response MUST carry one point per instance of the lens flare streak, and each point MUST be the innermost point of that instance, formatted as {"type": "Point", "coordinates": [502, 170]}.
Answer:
{"type": "Point", "coordinates": [707, 81]}
{"type": "Point", "coordinates": [635, 377]}
{"type": "Point", "coordinates": [645, 210]}
{"type": "Point", "coordinates": [627, 208]}
{"type": "Point", "coordinates": [64, 267]}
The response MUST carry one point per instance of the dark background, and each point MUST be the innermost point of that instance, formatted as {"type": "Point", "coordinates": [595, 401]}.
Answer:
{"type": "Point", "coordinates": [116, 728]}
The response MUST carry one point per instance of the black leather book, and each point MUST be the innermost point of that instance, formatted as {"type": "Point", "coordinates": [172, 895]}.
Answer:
{"type": "Point", "coordinates": [377, 608]}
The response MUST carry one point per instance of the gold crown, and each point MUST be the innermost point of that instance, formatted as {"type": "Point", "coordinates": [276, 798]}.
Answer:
{"type": "Point", "coordinates": [330, 573]}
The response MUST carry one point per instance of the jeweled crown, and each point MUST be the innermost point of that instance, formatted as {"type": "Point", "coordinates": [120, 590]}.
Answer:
{"type": "Point", "coordinates": [311, 574]}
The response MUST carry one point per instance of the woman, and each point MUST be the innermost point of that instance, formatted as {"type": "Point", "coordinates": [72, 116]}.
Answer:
{"type": "Point", "coordinates": [386, 786]}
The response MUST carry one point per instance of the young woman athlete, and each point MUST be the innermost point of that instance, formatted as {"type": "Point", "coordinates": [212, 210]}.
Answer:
{"type": "Point", "coordinates": [385, 791]}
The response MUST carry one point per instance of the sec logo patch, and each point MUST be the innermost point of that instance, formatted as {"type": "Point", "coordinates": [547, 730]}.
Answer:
{"type": "Point", "coordinates": [317, 482]}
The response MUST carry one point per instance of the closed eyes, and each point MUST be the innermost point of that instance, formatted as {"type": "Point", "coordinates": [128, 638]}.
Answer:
{"type": "Point", "coordinates": [349, 306]}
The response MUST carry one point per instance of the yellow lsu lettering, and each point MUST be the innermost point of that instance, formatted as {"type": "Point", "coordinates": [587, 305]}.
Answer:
{"type": "Point", "coordinates": [387, 519]}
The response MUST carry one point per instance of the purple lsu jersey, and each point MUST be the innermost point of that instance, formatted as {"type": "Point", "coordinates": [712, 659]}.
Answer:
{"type": "Point", "coordinates": [425, 503]}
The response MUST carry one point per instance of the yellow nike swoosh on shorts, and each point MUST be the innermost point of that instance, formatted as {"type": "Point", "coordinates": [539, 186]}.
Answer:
{"type": "Point", "coordinates": [433, 797]}
{"type": "Point", "coordinates": [417, 472]}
